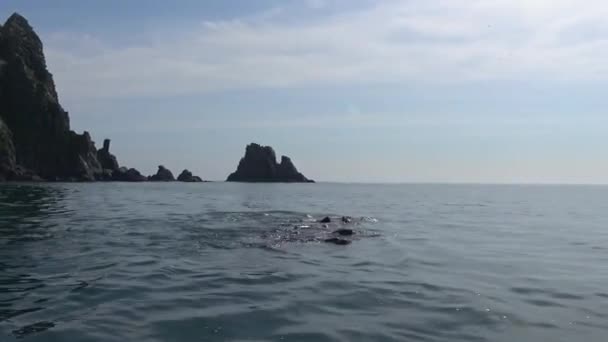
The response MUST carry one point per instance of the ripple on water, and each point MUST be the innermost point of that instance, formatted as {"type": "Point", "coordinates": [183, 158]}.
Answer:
{"type": "Point", "coordinates": [147, 262]}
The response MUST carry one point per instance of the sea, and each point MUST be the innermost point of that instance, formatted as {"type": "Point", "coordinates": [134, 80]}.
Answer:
{"type": "Point", "coordinates": [249, 262]}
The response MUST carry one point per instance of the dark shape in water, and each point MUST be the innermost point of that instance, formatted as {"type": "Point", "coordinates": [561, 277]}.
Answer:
{"type": "Point", "coordinates": [326, 220]}
{"type": "Point", "coordinates": [260, 165]}
{"type": "Point", "coordinates": [338, 241]}
{"type": "Point", "coordinates": [344, 232]}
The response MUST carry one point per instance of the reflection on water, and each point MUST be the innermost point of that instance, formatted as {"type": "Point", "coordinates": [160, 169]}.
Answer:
{"type": "Point", "coordinates": [26, 215]}
{"type": "Point", "coordinates": [236, 262]}
{"type": "Point", "coordinates": [27, 211]}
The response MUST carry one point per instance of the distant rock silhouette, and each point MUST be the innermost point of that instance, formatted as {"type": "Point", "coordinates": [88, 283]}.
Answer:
{"type": "Point", "coordinates": [128, 175]}
{"type": "Point", "coordinates": [260, 165]}
{"type": "Point", "coordinates": [187, 177]}
{"type": "Point", "coordinates": [162, 175]}
{"type": "Point", "coordinates": [107, 160]}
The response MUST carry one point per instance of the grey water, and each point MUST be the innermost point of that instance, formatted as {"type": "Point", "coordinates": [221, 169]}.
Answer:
{"type": "Point", "coordinates": [247, 262]}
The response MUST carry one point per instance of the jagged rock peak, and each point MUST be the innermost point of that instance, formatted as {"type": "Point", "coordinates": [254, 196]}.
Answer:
{"type": "Point", "coordinates": [162, 175]}
{"type": "Point", "coordinates": [17, 21]}
{"type": "Point", "coordinates": [107, 160]}
{"type": "Point", "coordinates": [188, 177]}
{"type": "Point", "coordinates": [20, 42]}
{"type": "Point", "coordinates": [260, 165]}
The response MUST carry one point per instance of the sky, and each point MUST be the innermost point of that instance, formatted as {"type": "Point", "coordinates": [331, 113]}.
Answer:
{"type": "Point", "coordinates": [472, 91]}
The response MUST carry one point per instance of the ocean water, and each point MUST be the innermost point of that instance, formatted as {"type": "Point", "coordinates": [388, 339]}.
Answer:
{"type": "Point", "coordinates": [247, 262]}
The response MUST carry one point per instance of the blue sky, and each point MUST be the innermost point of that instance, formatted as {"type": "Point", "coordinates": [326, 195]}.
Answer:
{"type": "Point", "coordinates": [494, 91]}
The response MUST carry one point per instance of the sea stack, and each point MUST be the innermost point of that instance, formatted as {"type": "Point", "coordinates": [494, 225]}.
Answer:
{"type": "Point", "coordinates": [187, 177]}
{"type": "Point", "coordinates": [260, 165]}
{"type": "Point", "coordinates": [162, 175]}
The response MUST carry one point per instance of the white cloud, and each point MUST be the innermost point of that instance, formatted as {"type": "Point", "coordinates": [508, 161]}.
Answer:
{"type": "Point", "coordinates": [392, 42]}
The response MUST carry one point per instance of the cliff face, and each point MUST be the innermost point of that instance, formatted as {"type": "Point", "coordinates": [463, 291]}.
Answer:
{"type": "Point", "coordinates": [36, 123]}
{"type": "Point", "coordinates": [7, 152]}
{"type": "Point", "coordinates": [260, 165]}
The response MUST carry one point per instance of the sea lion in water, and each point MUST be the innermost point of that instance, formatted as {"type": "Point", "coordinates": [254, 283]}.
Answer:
{"type": "Point", "coordinates": [325, 220]}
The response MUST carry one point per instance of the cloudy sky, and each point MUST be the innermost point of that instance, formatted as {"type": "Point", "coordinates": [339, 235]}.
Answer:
{"type": "Point", "coordinates": [489, 91]}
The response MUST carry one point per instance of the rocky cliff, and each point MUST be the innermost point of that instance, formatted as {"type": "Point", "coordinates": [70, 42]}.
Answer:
{"type": "Point", "coordinates": [29, 107]}
{"type": "Point", "coordinates": [260, 165]}
{"type": "Point", "coordinates": [36, 142]}
{"type": "Point", "coordinates": [7, 153]}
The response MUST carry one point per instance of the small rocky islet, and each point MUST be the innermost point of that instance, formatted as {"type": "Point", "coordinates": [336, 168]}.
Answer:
{"type": "Point", "coordinates": [260, 165]}
{"type": "Point", "coordinates": [37, 144]}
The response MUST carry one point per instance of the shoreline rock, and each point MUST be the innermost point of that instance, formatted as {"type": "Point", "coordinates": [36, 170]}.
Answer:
{"type": "Point", "coordinates": [187, 177]}
{"type": "Point", "coordinates": [37, 143]}
{"type": "Point", "coordinates": [162, 175]}
{"type": "Point", "coordinates": [128, 175]}
{"type": "Point", "coordinates": [260, 165]}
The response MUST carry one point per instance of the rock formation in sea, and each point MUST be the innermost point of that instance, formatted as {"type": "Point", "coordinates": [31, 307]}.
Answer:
{"type": "Point", "coordinates": [187, 177]}
{"type": "Point", "coordinates": [162, 175]}
{"type": "Point", "coordinates": [260, 165]}
{"type": "Point", "coordinates": [29, 106]}
{"type": "Point", "coordinates": [36, 142]}
{"type": "Point", "coordinates": [107, 160]}
{"type": "Point", "coordinates": [124, 174]}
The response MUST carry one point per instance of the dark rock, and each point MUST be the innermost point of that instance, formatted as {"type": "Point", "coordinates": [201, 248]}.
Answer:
{"type": "Point", "coordinates": [162, 175]}
{"type": "Point", "coordinates": [344, 232]}
{"type": "Point", "coordinates": [29, 106]}
{"type": "Point", "coordinates": [107, 160]}
{"type": "Point", "coordinates": [338, 241]}
{"type": "Point", "coordinates": [287, 172]}
{"type": "Point", "coordinates": [186, 176]}
{"type": "Point", "coordinates": [260, 165]}
{"type": "Point", "coordinates": [81, 158]}
{"type": "Point", "coordinates": [326, 220]}
{"type": "Point", "coordinates": [128, 175]}
{"type": "Point", "coordinates": [24, 175]}
{"type": "Point", "coordinates": [7, 153]}
{"type": "Point", "coordinates": [105, 176]}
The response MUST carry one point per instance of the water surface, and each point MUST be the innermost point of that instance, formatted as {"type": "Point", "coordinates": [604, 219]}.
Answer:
{"type": "Point", "coordinates": [221, 262]}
